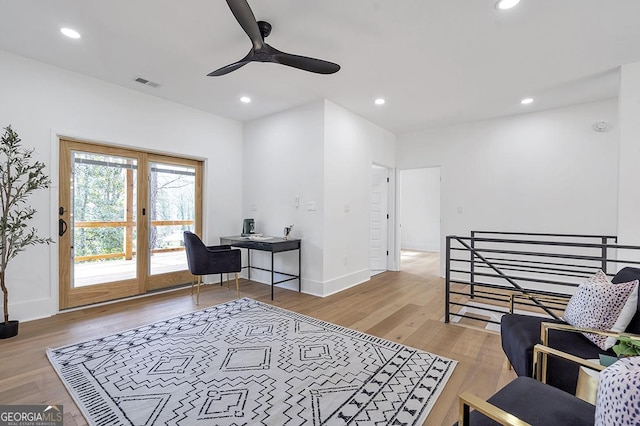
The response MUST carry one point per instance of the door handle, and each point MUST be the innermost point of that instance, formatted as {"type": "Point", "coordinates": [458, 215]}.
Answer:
{"type": "Point", "coordinates": [62, 227]}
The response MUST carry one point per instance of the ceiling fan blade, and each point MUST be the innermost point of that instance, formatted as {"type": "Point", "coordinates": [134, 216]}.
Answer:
{"type": "Point", "coordinates": [232, 67]}
{"type": "Point", "coordinates": [245, 17]}
{"type": "Point", "coordinates": [227, 69]}
{"type": "Point", "coordinates": [305, 63]}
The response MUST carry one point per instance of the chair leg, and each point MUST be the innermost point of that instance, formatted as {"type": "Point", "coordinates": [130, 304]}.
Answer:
{"type": "Point", "coordinates": [198, 296]}
{"type": "Point", "coordinates": [237, 286]}
{"type": "Point", "coordinates": [193, 282]}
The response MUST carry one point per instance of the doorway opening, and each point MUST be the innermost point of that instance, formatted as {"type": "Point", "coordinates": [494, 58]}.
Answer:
{"type": "Point", "coordinates": [419, 213]}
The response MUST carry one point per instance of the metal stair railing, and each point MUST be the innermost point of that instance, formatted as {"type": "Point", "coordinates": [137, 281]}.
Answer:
{"type": "Point", "coordinates": [493, 272]}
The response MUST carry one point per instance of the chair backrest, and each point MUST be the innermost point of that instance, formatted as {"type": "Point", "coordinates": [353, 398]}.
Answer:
{"type": "Point", "coordinates": [624, 276]}
{"type": "Point", "coordinates": [196, 251]}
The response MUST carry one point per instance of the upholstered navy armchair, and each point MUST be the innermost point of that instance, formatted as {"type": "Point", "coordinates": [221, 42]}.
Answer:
{"type": "Point", "coordinates": [606, 397]}
{"type": "Point", "coordinates": [203, 260]}
{"type": "Point", "coordinates": [527, 401]}
{"type": "Point", "coordinates": [520, 333]}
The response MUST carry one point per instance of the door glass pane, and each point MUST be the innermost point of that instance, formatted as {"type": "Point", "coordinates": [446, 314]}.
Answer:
{"type": "Point", "coordinates": [103, 218]}
{"type": "Point", "coordinates": [171, 212]}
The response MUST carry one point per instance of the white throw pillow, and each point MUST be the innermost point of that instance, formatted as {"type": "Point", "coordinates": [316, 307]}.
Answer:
{"type": "Point", "coordinates": [629, 310]}
{"type": "Point", "coordinates": [601, 305]}
{"type": "Point", "coordinates": [619, 394]}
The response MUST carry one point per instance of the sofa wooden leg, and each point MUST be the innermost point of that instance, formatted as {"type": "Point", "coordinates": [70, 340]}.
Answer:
{"type": "Point", "coordinates": [237, 286]}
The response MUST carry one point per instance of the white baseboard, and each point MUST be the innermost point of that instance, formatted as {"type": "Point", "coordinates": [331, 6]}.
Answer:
{"type": "Point", "coordinates": [344, 282]}
{"type": "Point", "coordinates": [32, 310]}
{"type": "Point", "coordinates": [420, 247]}
{"type": "Point", "coordinates": [478, 309]}
{"type": "Point", "coordinates": [320, 289]}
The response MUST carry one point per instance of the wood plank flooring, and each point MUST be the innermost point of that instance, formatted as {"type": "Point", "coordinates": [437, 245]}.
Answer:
{"type": "Point", "coordinates": [406, 307]}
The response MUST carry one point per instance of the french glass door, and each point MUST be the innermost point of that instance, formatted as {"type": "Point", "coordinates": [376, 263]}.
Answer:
{"type": "Point", "coordinates": [121, 216]}
{"type": "Point", "coordinates": [174, 206]}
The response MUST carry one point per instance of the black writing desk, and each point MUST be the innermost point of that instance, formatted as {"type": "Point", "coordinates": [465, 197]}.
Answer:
{"type": "Point", "coordinates": [273, 245]}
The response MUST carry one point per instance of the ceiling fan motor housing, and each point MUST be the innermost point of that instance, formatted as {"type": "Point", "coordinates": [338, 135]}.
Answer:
{"type": "Point", "coordinates": [265, 28]}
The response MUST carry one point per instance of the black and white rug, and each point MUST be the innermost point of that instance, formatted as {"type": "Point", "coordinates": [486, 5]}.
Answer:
{"type": "Point", "coordinates": [249, 363]}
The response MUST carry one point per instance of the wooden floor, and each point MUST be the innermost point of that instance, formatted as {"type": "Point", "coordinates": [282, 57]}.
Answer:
{"type": "Point", "coordinates": [405, 307]}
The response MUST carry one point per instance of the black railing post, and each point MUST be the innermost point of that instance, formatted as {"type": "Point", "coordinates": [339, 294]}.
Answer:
{"type": "Point", "coordinates": [604, 255]}
{"type": "Point", "coordinates": [447, 280]}
{"type": "Point", "coordinates": [472, 269]}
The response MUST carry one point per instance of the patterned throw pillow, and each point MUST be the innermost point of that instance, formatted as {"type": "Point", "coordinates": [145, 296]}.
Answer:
{"type": "Point", "coordinates": [597, 304]}
{"type": "Point", "coordinates": [619, 394]}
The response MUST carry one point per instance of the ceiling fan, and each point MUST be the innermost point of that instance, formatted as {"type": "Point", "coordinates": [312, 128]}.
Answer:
{"type": "Point", "coordinates": [262, 52]}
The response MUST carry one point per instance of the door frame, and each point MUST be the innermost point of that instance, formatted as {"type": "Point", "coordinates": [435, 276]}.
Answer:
{"type": "Point", "coordinates": [144, 280]}
{"type": "Point", "coordinates": [393, 260]}
{"type": "Point", "coordinates": [384, 200]}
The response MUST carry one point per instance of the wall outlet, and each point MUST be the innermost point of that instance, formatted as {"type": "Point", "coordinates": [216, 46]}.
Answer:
{"type": "Point", "coordinates": [346, 208]}
{"type": "Point", "coordinates": [312, 206]}
{"type": "Point", "coordinates": [296, 201]}
{"type": "Point", "coordinates": [254, 207]}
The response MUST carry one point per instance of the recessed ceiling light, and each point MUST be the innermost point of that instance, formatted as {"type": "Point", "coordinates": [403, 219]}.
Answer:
{"type": "Point", "coordinates": [526, 101]}
{"type": "Point", "coordinates": [506, 4]}
{"type": "Point", "coordinates": [245, 99]}
{"type": "Point", "coordinates": [379, 101]}
{"type": "Point", "coordinates": [71, 33]}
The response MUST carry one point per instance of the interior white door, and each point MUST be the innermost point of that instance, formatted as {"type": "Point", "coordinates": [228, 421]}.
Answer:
{"type": "Point", "coordinates": [379, 219]}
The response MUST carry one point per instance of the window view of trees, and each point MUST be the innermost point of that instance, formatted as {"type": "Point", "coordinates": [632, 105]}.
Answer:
{"type": "Point", "coordinates": [172, 204]}
{"type": "Point", "coordinates": [100, 195]}
{"type": "Point", "coordinates": [104, 206]}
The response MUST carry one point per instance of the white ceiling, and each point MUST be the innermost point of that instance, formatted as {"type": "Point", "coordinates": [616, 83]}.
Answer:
{"type": "Point", "coordinates": [435, 62]}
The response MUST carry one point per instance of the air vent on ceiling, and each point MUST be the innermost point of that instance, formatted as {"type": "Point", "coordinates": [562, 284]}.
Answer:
{"type": "Point", "coordinates": [146, 82]}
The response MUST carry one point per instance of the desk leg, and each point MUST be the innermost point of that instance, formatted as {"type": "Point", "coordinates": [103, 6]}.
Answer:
{"type": "Point", "coordinates": [271, 275]}
{"type": "Point", "coordinates": [299, 270]}
{"type": "Point", "coordinates": [249, 264]}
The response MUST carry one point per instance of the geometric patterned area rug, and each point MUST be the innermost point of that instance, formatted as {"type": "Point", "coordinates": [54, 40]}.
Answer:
{"type": "Point", "coordinates": [249, 363]}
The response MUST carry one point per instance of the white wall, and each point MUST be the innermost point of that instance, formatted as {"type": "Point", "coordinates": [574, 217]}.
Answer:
{"type": "Point", "coordinates": [321, 153]}
{"type": "Point", "coordinates": [41, 102]}
{"type": "Point", "coordinates": [420, 209]}
{"type": "Point", "coordinates": [352, 144]}
{"type": "Point", "coordinates": [629, 186]}
{"type": "Point", "coordinates": [540, 172]}
{"type": "Point", "coordinates": [283, 158]}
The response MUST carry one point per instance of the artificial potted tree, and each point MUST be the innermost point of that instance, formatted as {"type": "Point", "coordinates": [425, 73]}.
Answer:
{"type": "Point", "coordinates": [20, 176]}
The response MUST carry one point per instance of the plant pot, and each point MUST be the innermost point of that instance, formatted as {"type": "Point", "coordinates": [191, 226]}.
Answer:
{"type": "Point", "coordinates": [607, 360]}
{"type": "Point", "coordinates": [8, 329]}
